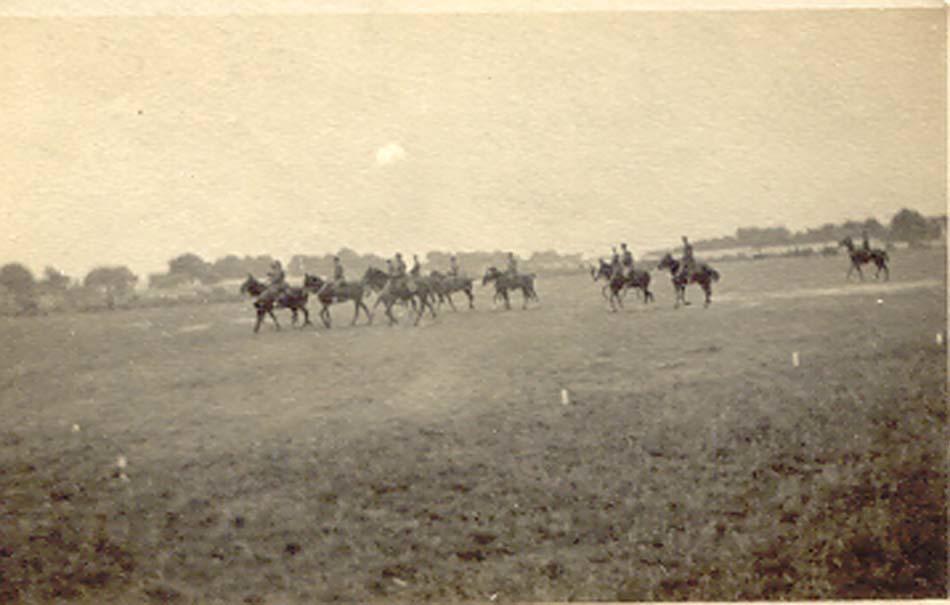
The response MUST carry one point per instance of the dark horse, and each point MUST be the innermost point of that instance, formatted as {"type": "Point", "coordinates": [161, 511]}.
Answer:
{"type": "Point", "coordinates": [505, 282]}
{"type": "Point", "coordinates": [636, 279]}
{"type": "Point", "coordinates": [861, 256]}
{"type": "Point", "coordinates": [336, 294]}
{"type": "Point", "coordinates": [703, 274]}
{"type": "Point", "coordinates": [399, 291]}
{"type": "Point", "coordinates": [265, 301]}
{"type": "Point", "coordinates": [443, 286]}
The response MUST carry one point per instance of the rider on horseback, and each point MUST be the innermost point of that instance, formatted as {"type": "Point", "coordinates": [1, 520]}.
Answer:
{"type": "Point", "coordinates": [338, 280]}
{"type": "Point", "coordinates": [398, 274]}
{"type": "Point", "coordinates": [416, 267]}
{"type": "Point", "coordinates": [689, 263]}
{"type": "Point", "coordinates": [277, 279]}
{"type": "Point", "coordinates": [626, 258]}
{"type": "Point", "coordinates": [512, 265]}
{"type": "Point", "coordinates": [453, 267]}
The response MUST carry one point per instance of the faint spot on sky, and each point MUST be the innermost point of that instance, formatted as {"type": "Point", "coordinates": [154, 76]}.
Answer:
{"type": "Point", "coordinates": [390, 153]}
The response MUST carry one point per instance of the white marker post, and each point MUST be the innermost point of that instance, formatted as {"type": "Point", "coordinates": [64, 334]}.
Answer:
{"type": "Point", "coordinates": [565, 398]}
{"type": "Point", "coordinates": [796, 361]}
{"type": "Point", "coordinates": [939, 338]}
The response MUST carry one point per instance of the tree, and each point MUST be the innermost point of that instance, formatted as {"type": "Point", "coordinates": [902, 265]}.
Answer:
{"type": "Point", "coordinates": [112, 281]}
{"type": "Point", "coordinates": [229, 267]}
{"type": "Point", "coordinates": [54, 279]}
{"type": "Point", "coordinates": [165, 280]}
{"type": "Point", "coordinates": [18, 280]}
{"type": "Point", "coordinates": [193, 267]}
{"type": "Point", "coordinates": [912, 227]}
{"type": "Point", "coordinates": [874, 228]}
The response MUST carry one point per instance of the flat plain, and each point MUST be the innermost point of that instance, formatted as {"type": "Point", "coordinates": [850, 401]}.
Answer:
{"type": "Point", "coordinates": [171, 455]}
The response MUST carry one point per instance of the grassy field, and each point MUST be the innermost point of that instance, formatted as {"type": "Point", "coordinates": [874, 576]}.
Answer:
{"type": "Point", "coordinates": [693, 461]}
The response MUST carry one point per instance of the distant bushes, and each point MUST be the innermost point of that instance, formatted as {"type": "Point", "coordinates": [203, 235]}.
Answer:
{"type": "Point", "coordinates": [908, 226]}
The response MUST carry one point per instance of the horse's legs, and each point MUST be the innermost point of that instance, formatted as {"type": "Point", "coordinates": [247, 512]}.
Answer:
{"type": "Point", "coordinates": [306, 316]}
{"type": "Point", "coordinates": [325, 315]}
{"type": "Point", "coordinates": [274, 317]}
{"type": "Point", "coordinates": [613, 297]}
{"type": "Point", "coordinates": [423, 303]}
{"type": "Point", "coordinates": [389, 313]}
{"type": "Point", "coordinates": [361, 305]}
{"type": "Point", "coordinates": [471, 298]}
{"type": "Point", "coordinates": [356, 311]}
{"type": "Point", "coordinates": [858, 268]}
{"type": "Point", "coordinates": [448, 297]}
{"type": "Point", "coordinates": [708, 290]}
{"type": "Point", "coordinates": [260, 318]}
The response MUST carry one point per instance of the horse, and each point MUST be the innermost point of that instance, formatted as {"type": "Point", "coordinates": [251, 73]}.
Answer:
{"type": "Point", "coordinates": [861, 256]}
{"type": "Point", "coordinates": [444, 285]}
{"type": "Point", "coordinates": [332, 294]}
{"type": "Point", "coordinates": [636, 279]}
{"type": "Point", "coordinates": [394, 290]}
{"type": "Point", "coordinates": [375, 281]}
{"type": "Point", "coordinates": [505, 282]}
{"type": "Point", "coordinates": [703, 274]}
{"type": "Point", "coordinates": [266, 300]}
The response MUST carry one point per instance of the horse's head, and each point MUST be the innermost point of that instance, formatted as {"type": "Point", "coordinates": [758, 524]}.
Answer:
{"type": "Point", "coordinates": [491, 274]}
{"type": "Point", "coordinates": [667, 262]}
{"type": "Point", "coordinates": [603, 270]}
{"type": "Point", "coordinates": [375, 278]}
{"type": "Point", "coordinates": [251, 286]}
{"type": "Point", "coordinates": [312, 282]}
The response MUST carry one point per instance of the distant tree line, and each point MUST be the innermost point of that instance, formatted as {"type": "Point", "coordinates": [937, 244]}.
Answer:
{"type": "Point", "coordinates": [907, 226]}
{"type": "Point", "coordinates": [20, 292]}
{"type": "Point", "coordinates": [188, 269]}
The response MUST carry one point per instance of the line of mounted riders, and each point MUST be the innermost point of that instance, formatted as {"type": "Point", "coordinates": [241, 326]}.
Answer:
{"type": "Point", "coordinates": [622, 276]}
{"type": "Point", "coordinates": [394, 286]}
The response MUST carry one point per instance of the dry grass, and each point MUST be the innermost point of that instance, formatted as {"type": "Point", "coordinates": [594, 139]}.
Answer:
{"type": "Point", "coordinates": [694, 462]}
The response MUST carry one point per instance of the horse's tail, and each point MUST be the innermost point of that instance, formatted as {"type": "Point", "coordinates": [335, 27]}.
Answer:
{"type": "Point", "coordinates": [713, 274]}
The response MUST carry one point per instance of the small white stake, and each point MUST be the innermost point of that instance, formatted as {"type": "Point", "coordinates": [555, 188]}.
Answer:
{"type": "Point", "coordinates": [795, 359]}
{"type": "Point", "coordinates": [939, 338]}
{"type": "Point", "coordinates": [565, 398]}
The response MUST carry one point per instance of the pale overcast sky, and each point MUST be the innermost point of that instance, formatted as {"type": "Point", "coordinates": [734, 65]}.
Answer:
{"type": "Point", "coordinates": [131, 140]}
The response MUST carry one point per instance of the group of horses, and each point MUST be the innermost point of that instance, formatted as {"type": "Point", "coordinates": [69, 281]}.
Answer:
{"type": "Point", "coordinates": [638, 280]}
{"type": "Point", "coordinates": [423, 293]}
{"type": "Point", "coordinates": [420, 293]}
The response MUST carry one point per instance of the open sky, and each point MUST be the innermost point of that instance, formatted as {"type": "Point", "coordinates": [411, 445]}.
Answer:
{"type": "Point", "coordinates": [130, 140]}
